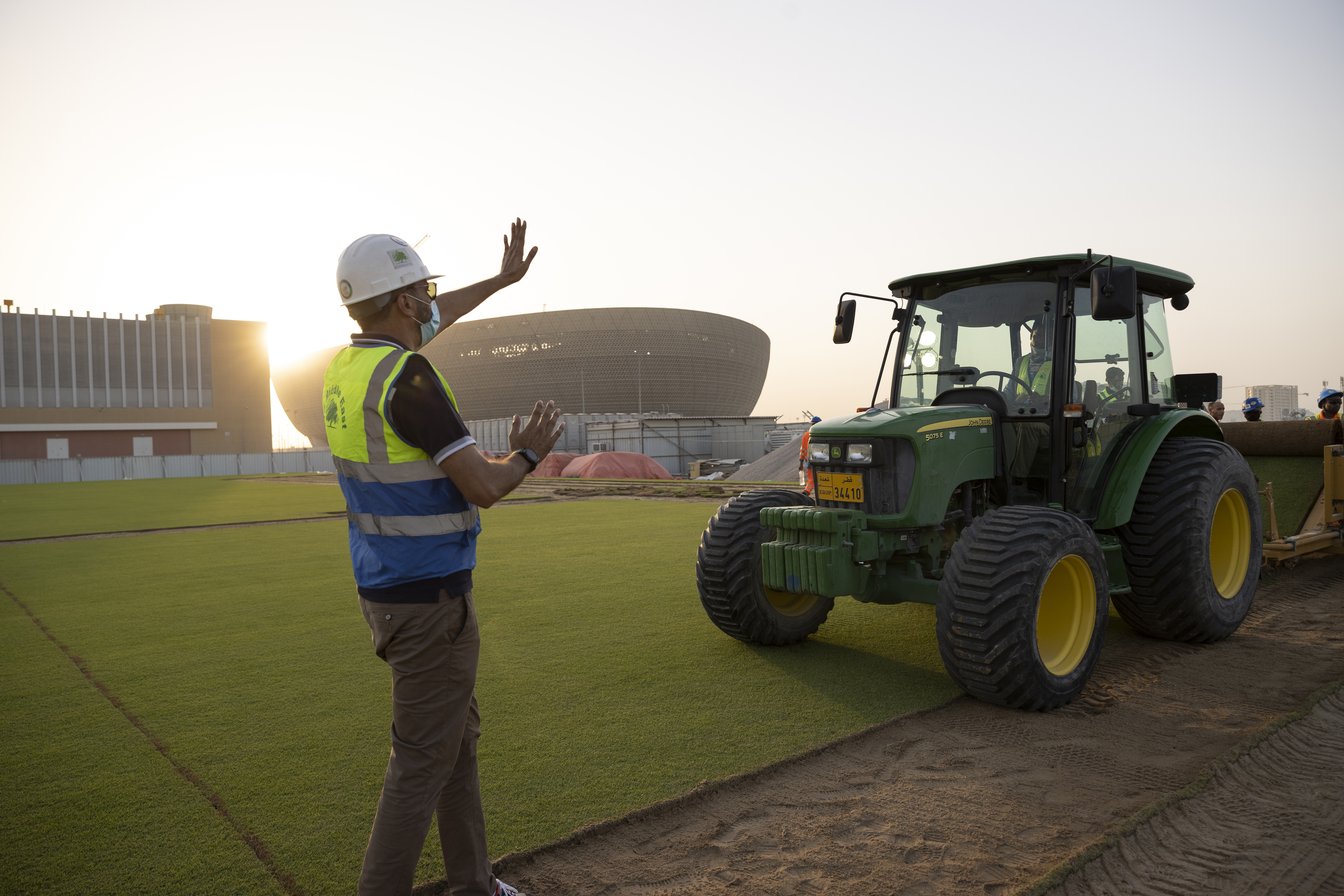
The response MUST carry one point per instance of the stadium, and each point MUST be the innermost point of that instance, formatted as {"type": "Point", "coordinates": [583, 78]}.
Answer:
{"type": "Point", "coordinates": [663, 361]}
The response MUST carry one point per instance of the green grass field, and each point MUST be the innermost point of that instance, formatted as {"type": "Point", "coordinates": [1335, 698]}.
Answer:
{"type": "Point", "coordinates": [37, 511]}
{"type": "Point", "coordinates": [201, 712]}
{"type": "Point", "coordinates": [1297, 483]}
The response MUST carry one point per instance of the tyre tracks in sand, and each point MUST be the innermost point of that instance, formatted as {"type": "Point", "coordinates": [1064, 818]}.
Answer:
{"type": "Point", "coordinates": [1270, 820]}
{"type": "Point", "coordinates": [1182, 769]}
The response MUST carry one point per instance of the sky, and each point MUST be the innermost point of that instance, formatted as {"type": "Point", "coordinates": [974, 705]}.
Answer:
{"type": "Point", "coordinates": [750, 158]}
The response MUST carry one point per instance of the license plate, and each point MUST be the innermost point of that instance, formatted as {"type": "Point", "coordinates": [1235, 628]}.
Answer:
{"type": "Point", "coordinates": [846, 487]}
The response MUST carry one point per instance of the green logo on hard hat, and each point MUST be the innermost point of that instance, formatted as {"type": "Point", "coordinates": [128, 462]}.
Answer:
{"type": "Point", "coordinates": [346, 289]}
{"type": "Point", "coordinates": [399, 258]}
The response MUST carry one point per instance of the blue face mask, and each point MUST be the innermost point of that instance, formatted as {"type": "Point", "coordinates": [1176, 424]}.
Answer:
{"type": "Point", "coordinates": [430, 328]}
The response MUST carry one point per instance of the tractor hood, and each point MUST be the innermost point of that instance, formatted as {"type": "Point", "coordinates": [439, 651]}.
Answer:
{"type": "Point", "coordinates": [914, 423]}
{"type": "Point", "coordinates": [871, 460]}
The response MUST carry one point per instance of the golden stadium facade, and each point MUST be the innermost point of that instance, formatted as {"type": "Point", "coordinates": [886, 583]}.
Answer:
{"type": "Point", "coordinates": [664, 361]}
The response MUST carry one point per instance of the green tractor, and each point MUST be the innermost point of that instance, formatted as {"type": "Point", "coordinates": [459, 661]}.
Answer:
{"type": "Point", "coordinates": [1036, 459]}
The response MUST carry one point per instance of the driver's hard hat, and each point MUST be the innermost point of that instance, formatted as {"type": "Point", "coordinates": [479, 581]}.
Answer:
{"type": "Point", "coordinates": [816, 419]}
{"type": "Point", "coordinates": [377, 264]}
{"type": "Point", "coordinates": [1252, 404]}
{"type": "Point", "coordinates": [1327, 394]}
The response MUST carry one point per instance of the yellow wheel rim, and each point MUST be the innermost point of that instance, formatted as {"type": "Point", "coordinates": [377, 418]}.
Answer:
{"type": "Point", "coordinates": [1230, 543]}
{"type": "Point", "coordinates": [1066, 615]}
{"type": "Point", "coordinates": [788, 604]}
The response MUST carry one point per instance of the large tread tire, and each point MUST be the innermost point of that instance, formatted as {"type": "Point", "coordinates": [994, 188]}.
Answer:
{"type": "Point", "coordinates": [1192, 545]}
{"type": "Point", "coordinates": [1022, 607]}
{"type": "Point", "coordinates": [728, 575]}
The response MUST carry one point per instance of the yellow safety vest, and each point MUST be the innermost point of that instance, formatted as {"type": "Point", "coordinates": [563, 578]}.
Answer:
{"type": "Point", "coordinates": [408, 522]}
{"type": "Point", "coordinates": [1040, 383]}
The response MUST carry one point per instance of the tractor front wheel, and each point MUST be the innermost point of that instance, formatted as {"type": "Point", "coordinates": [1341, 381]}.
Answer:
{"type": "Point", "coordinates": [1192, 544]}
{"type": "Point", "coordinates": [728, 574]}
{"type": "Point", "coordinates": [1022, 607]}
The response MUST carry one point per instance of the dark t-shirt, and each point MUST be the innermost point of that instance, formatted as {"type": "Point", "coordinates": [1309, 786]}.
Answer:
{"type": "Point", "coordinates": [421, 413]}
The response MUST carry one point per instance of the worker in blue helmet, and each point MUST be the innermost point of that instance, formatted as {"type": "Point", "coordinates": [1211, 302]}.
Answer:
{"type": "Point", "coordinates": [1328, 402]}
{"type": "Point", "coordinates": [1251, 409]}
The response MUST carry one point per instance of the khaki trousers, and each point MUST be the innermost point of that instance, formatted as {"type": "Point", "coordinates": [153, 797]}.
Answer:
{"type": "Point", "coordinates": [432, 650]}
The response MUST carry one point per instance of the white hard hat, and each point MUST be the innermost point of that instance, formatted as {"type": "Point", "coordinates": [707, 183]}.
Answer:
{"type": "Point", "coordinates": [376, 264]}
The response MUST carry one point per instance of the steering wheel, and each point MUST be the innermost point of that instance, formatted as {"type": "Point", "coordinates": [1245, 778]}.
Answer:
{"type": "Point", "coordinates": [1104, 408]}
{"type": "Point", "coordinates": [1004, 379]}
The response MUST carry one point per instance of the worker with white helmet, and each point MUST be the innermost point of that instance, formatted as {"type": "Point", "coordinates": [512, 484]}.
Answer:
{"type": "Point", "coordinates": [1328, 402]}
{"type": "Point", "coordinates": [413, 480]}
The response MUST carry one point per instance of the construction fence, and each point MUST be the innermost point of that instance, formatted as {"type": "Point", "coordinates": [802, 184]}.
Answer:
{"type": "Point", "coordinates": [677, 443]}
{"type": "Point", "coordinates": [184, 466]}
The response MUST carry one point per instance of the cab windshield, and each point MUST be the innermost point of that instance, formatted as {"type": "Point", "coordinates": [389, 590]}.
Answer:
{"type": "Point", "coordinates": [996, 335]}
{"type": "Point", "coordinates": [1001, 336]}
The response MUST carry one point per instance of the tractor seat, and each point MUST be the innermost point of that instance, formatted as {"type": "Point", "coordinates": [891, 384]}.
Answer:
{"type": "Point", "coordinates": [981, 395]}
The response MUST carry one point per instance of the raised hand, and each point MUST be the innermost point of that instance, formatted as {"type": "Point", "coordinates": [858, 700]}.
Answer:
{"type": "Point", "coordinates": [515, 265]}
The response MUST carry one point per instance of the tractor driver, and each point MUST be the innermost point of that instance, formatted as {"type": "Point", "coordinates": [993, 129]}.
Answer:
{"type": "Point", "coordinates": [1033, 368]}
{"type": "Point", "coordinates": [1031, 386]}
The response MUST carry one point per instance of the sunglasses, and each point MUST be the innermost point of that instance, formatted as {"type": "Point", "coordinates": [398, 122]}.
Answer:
{"type": "Point", "coordinates": [431, 288]}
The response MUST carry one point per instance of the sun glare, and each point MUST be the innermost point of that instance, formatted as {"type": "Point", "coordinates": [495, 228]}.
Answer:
{"type": "Point", "coordinates": [291, 341]}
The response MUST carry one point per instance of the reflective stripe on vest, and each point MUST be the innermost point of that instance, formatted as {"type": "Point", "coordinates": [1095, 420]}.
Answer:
{"type": "Point", "coordinates": [410, 471]}
{"type": "Point", "coordinates": [439, 524]}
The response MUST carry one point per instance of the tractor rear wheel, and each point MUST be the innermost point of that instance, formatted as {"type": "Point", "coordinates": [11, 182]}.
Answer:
{"type": "Point", "coordinates": [1192, 545]}
{"type": "Point", "coordinates": [1022, 607]}
{"type": "Point", "coordinates": [728, 574]}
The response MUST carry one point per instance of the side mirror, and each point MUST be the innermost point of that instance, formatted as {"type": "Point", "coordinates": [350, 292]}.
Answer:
{"type": "Point", "coordinates": [1115, 292]}
{"type": "Point", "coordinates": [844, 321]}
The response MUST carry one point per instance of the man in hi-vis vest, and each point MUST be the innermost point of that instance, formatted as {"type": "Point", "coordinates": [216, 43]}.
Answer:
{"type": "Point", "coordinates": [1033, 368]}
{"type": "Point", "coordinates": [413, 480]}
{"type": "Point", "coordinates": [1328, 402]}
{"type": "Point", "coordinates": [1032, 385]}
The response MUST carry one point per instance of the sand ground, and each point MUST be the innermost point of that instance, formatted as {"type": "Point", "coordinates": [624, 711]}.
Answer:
{"type": "Point", "coordinates": [1182, 769]}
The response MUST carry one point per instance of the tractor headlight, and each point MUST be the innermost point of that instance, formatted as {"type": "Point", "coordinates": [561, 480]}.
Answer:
{"type": "Point", "coordinates": [859, 453]}
{"type": "Point", "coordinates": [819, 453]}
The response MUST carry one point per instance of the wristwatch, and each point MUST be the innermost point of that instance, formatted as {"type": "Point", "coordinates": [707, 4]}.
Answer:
{"type": "Point", "coordinates": [530, 456]}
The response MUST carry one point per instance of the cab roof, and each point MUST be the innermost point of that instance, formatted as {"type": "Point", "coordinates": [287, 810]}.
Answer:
{"type": "Point", "coordinates": [1161, 281]}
